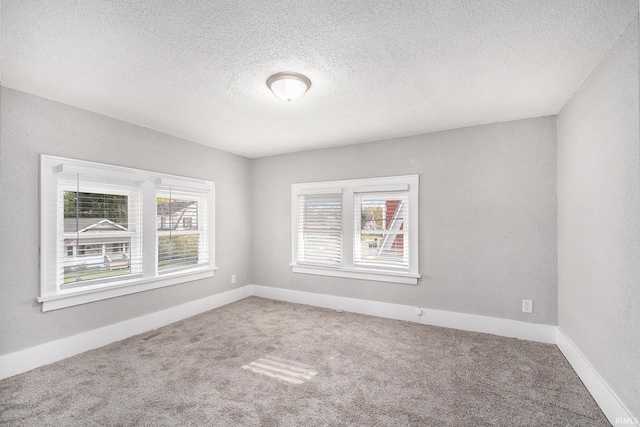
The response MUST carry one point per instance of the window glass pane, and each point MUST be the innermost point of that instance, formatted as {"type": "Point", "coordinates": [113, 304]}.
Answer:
{"type": "Point", "coordinates": [177, 214]}
{"type": "Point", "coordinates": [381, 229]}
{"type": "Point", "coordinates": [320, 229]}
{"type": "Point", "coordinates": [86, 256]}
{"type": "Point", "coordinates": [95, 258]}
{"type": "Point", "coordinates": [95, 212]}
{"type": "Point", "coordinates": [178, 251]}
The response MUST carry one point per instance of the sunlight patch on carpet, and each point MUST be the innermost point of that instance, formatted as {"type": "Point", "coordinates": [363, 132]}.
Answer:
{"type": "Point", "coordinates": [281, 369]}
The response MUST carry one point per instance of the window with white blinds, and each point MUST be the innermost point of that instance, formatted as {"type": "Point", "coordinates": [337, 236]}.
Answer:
{"type": "Point", "coordinates": [108, 231]}
{"type": "Point", "coordinates": [181, 227]}
{"type": "Point", "coordinates": [362, 228]}
{"type": "Point", "coordinates": [99, 229]}
{"type": "Point", "coordinates": [319, 229]}
{"type": "Point", "coordinates": [381, 238]}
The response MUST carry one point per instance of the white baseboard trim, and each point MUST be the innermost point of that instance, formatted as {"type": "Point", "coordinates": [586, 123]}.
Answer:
{"type": "Point", "coordinates": [30, 358]}
{"type": "Point", "coordinates": [447, 319]}
{"type": "Point", "coordinates": [615, 411]}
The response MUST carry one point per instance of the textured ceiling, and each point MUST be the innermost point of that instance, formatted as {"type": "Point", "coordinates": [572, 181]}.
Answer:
{"type": "Point", "coordinates": [379, 69]}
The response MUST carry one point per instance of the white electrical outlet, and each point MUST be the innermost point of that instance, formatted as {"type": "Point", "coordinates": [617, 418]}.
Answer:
{"type": "Point", "coordinates": [233, 279]}
{"type": "Point", "coordinates": [527, 306]}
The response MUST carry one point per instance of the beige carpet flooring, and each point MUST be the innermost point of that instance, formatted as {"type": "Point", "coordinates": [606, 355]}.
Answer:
{"type": "Point", "coordinates": [259, 362]}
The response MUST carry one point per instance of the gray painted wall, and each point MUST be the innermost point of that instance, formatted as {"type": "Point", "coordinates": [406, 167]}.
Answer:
{"type": "Point", "coordinates": [487, 217]}
{"type": "Point", "coordinates": [599, 219]}
{"type": "Point", "coordinates": [30, 126]}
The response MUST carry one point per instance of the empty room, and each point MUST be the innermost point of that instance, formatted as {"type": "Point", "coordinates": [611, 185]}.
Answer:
{"type": "Point", "coordinates": [302, 213]}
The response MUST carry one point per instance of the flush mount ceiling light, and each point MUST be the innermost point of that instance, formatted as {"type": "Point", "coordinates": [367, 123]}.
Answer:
{"type": "Point", "coordinates": [288, 86]}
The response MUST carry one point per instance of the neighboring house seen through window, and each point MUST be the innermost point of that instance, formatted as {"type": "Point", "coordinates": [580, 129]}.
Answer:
{"type": "Point", "coordinates": [95, 241]}
{"type": "Point", "coordinates": [364, 228]}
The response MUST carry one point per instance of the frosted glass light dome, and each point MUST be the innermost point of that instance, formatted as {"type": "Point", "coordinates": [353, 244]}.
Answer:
{"type": "Point", "coordinates": [287, 86]}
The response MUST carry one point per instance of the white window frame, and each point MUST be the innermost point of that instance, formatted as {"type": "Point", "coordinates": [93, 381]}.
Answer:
{"type": "Point", "coordinates": [202, 231]}
{"type": "Point", "coordinates": [66, 183]}
{"type": "Point", "coordinates": [348, 188]}
{"type": "Point", "coordinates": [51, 295]}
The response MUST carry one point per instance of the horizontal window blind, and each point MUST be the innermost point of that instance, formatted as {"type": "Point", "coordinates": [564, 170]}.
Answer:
{"type": "Point", "coordinates": [181, 215]}
{"type": "Point", "coordinates": [99, 230]}
{"type": "Point", "coordinates": [381, 238]}
{"type": "Point", "coordinates": [319, 230]}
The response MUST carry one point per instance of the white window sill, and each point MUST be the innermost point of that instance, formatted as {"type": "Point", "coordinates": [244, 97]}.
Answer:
{"type": "Point", "coordinates": [116, 289]}
{"type": "Point", "coordinates": [362, 274]}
